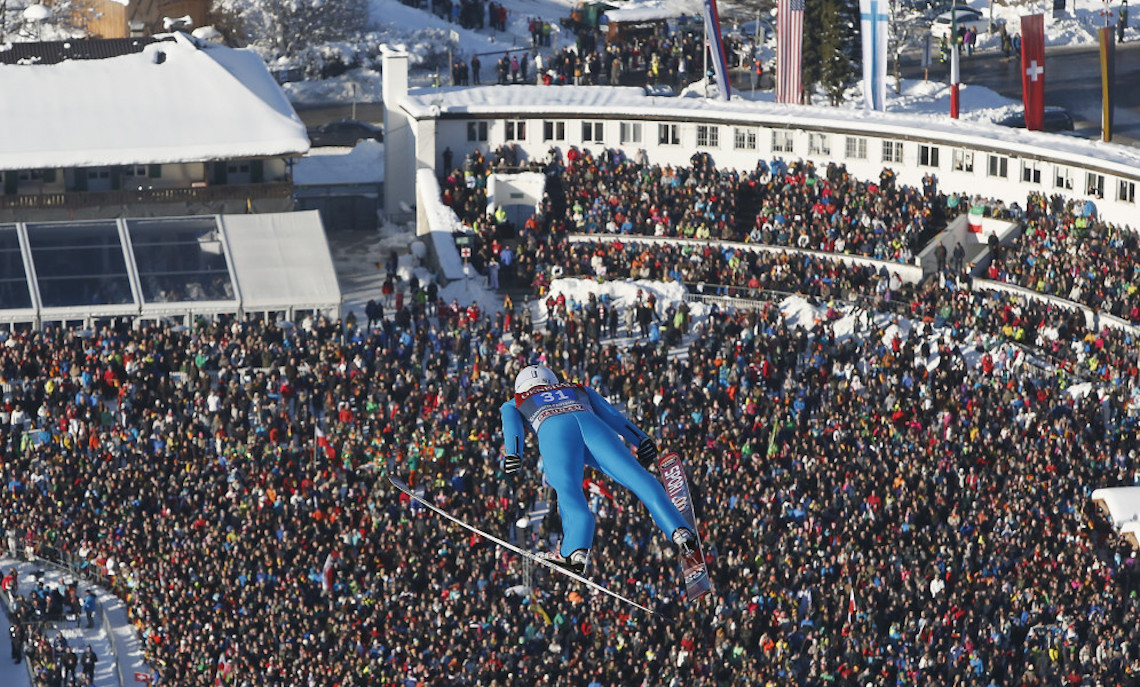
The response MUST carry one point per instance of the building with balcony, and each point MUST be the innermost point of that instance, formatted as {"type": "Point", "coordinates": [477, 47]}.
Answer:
{"type": "Point", "coordinates": [162, 125]}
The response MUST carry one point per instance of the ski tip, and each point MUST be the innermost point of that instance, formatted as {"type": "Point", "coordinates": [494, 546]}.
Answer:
{"type": "Point", "coordinates": [399, 484]}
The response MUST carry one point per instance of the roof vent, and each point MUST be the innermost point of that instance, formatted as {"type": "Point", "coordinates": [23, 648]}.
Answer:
{"type": "Point", "coordinates": [159, 56]}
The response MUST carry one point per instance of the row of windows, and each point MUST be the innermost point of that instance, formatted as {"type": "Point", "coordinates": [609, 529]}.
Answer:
{"type": "Point", "coordinates": [49, 175]}
{"type": "Point", "coordinates": [783, 141]}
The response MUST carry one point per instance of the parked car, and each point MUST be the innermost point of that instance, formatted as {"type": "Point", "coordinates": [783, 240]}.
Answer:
{"type": "Point", "coordinates": [757, 30]}
{"type": "Point", "coordinates": [967, 17]}
{"type": "Point", "coordinates": [1056, 119]}
{"type": "Point", "coordinates": [343, 132]}
{"type": "Point", "coordinates": [933, 8]}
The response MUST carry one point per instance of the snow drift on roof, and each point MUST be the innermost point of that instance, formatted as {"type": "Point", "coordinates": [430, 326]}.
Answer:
{"type": "Point", "coordinates": [176, 101]}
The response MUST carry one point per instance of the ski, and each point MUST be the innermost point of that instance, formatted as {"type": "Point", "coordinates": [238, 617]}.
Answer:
{"type": "Point", "coordinates": [402, 486]}
{"type": "Point", "coordinates": [696, 572]}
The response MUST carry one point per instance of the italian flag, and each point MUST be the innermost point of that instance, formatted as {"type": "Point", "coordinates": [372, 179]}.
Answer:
{"type": "Point", "coordinates": [976, 214]}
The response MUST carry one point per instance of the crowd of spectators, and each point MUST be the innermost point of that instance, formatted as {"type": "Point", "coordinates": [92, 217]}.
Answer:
{"type": "Point", "coordinates": [469, 14]}
{"type": "Point", "coordinates": [1063, 249]}
{"type": "Point", "coordinates": [735, 272]}
{"type": "Point", "coordinates": [793, 205]}
{"type": "Point", "coordinates": [668, 54]}
{"type": "Point", "coordinates": [671, 60]}
{"type": "Point", "coordinates": [777, 203]}
{"type": "Point", "coordinates": [884, 499]}
{"type": "Point", "coordinates": [1066, 251]}
{"type": "Point", "coordinates": [876, 508]}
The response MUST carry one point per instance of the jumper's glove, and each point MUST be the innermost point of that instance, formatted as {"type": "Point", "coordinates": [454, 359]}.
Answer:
{"type": "Point", "coordinates": [646, 453]}
{"type": "Point", "coordinates": [511, 464]}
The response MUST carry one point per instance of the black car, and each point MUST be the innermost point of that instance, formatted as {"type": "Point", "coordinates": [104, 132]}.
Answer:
{"type": "Point", "coordinates": [344, 132]}
{"type": "Point", "coordinates": [1056, 119]}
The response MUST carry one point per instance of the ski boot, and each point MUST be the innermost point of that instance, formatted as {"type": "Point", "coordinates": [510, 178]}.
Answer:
{"type": "Point", "coordinates": [575, 562]}
{"type": "Point", "coordinates": [685, 541]}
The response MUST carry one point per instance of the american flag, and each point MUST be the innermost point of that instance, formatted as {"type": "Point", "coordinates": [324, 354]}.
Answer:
{"type": "Point", "coordinates": [789, 51]}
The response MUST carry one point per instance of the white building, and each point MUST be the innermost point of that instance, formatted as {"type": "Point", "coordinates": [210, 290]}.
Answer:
{"type": "Point", "coordinates": [968, 157]}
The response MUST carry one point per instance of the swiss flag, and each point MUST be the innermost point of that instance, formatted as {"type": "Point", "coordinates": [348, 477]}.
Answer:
{"type": "Point", "coordinates": [323, 442]}
{"type": "Point", "coordinates": [1033, 70]}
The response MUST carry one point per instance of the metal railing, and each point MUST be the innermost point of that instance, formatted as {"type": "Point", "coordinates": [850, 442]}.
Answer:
{"type": "Point", "coordinates": [93, 199]}
{"type": "Point", "coordinates": [733, 295]}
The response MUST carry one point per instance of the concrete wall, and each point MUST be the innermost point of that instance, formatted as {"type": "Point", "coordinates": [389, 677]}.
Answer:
{"type": "Point", "coordinates": [518, 194]}
{"type": "Point", "coordinates": [400, 133]}
{"type": "Point", "coordinates": [975, 245]}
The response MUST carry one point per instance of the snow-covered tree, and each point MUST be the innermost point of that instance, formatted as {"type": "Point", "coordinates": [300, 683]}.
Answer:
{"type": "Point", "coordinates": [288, 28]}
{"type": "Point", "coordinates": [60, 23]}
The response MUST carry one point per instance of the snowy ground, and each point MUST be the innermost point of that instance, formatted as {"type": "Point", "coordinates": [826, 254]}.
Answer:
{"type": "Point", "coordinates": [418, 31]}
{"type": "Point", "coordinates": [11, 674]}
{"type": "Point", "coordinates": [78, 636]}
{"type": "Point", "coordinates": [422, 33]}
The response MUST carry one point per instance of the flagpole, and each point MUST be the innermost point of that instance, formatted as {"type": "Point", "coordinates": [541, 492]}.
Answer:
{"type": "Point", "coordinates": [705, 57]}
{"type": "Point", "coordinates": [953, 63]}
{"type": "Point", "coordinates": [954, 76]}
{"type": "Point", "coordinates": [1108, 80]}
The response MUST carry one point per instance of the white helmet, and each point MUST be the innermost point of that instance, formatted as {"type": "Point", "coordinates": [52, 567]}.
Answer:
{"type": "Point", "coordinates": [534, 375]}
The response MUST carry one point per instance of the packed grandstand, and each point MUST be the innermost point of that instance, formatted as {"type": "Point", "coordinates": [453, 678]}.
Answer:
{"type": "Point", "coordinates": [894, 492]}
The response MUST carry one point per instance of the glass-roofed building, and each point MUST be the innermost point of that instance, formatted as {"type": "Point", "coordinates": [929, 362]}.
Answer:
{"type": "Point", "coordinates": [170, 267]}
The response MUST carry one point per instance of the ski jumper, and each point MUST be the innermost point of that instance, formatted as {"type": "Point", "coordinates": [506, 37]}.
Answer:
{"type": "Point", "coordinates": [577, 427]}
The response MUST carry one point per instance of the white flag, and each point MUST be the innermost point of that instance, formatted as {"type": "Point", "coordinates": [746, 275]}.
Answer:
{"type": "Point", "coordinates": [873, 14]}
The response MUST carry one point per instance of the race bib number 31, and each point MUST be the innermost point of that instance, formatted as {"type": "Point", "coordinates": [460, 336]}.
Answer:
{"type": "Point", "coordinates": [556, 396]}
{"type": "Point", "coordinates": [547, 402]}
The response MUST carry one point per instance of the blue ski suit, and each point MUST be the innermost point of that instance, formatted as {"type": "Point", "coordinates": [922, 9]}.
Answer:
{"type": "Point", "coordinates": [577, 427]}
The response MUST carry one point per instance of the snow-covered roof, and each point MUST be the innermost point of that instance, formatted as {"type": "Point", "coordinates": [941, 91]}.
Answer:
{"type": "Point", "coordinates": [578, 101]}
{"type": "Point", "coordinates": [651, 10]}
{"type": "Point", "coordinates": [363, 164]}
{"type": "Point", "coordinates": [175, 101]}
{"type": "Point", "coordinates": [1120, 504]}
